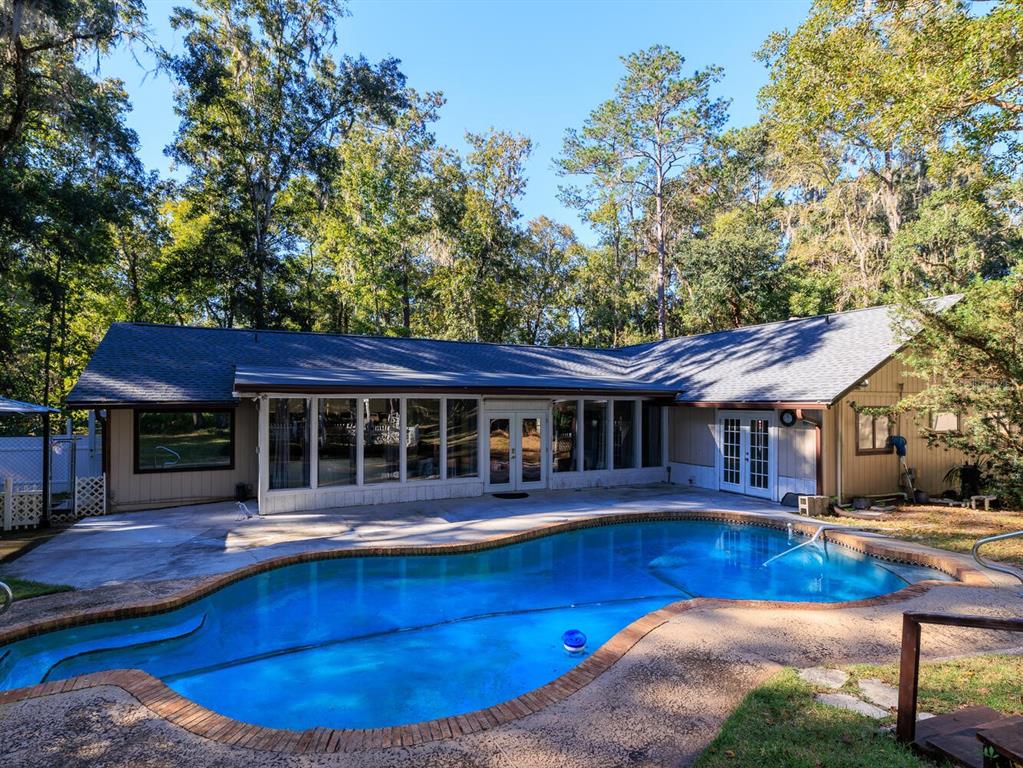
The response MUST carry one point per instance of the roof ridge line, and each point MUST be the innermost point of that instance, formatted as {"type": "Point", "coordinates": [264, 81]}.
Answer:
{"type": "Point", "coordinates": [514, 345]}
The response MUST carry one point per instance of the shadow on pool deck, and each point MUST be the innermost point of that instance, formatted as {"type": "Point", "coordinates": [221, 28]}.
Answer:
{"type": "Point", "coordinates": [205, 539]}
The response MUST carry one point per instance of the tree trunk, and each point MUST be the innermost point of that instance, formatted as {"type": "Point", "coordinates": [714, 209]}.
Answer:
{"type": "Point", "coordinates": [662, 310]}
{"type": "Point", "coordinates": [406, 299]}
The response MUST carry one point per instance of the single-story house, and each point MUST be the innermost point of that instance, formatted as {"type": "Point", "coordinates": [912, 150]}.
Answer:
{"type": "Point", "coordinates": [309, 420]}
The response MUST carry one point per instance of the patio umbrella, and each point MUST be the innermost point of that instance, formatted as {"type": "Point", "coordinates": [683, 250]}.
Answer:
{"type": "Point", "coordinates": [17, 406]}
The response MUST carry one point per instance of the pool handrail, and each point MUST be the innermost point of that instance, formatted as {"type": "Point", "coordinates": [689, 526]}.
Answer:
{"type": "Point", "coordinates": [812, 539]}
{"type": "Point", "coordinates": [8, 597]}
{"type": "Point", "coordinates": [985, 563]}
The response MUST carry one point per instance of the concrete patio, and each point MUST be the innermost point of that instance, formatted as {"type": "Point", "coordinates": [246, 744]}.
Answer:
{"type": "Point", "coordinates": [187, 542]}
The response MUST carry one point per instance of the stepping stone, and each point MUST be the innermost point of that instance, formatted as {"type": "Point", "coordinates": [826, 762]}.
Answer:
{"type": "Point", "coordinates": [824, 677]}
{"type": "Point", "coordinates": [851, 703]}
{"type": "Point", "coordinates": [882, 694]}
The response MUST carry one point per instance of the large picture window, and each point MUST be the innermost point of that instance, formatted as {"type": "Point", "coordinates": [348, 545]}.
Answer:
{"type": "Point", "coordinates": [423, 442]}
{"type": "Point", "coordinates": [338, 442]}
{"type": "Point", "coordinates": [289, 442]}
{"type": "Point", "coordinates": [651, 416]}
{"type": "Point", "coordinates": [381, 440]}
{"type": "Point", "coordinates": [564, 436]}
{"type": "Point", "coordinates": [624, 434]}
{"type": "Point", "coordinates": [463, 437]}
{"type": "Point", "coordinates": [595, 434]}
{"type": "Point", "coordinates": [184, 440]}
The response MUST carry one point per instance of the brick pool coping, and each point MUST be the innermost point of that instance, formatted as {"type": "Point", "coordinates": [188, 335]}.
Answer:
{"type": "Point", "coordinates": [159, 698]}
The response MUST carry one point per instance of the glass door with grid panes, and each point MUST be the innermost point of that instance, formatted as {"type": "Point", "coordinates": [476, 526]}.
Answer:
{"type": "Point", "coordinates": [746, 452]}
{"type": "Point", "coordinates": [515, 453]}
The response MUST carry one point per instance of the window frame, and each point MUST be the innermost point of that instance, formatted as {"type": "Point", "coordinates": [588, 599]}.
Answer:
{"type": "Point", "coordinates": [446, 438]}
{"type": "Point", "coordinates": [319, 457]}
{"type": "Point", "coordinates": [441, 443]}
{"type": "Point", "coordinates": [644, 438]}
{"type": "Point", "coordinates": [875, 451]}
{"type": "Point", "coordinates": [576, 436]}
{"type": "Point", "coordinates": [956, 430]}
{"type": "Point", "coordinates": [232, 411]}
{"type": "Point", "coordinates": [312, 459]}
{"type": "Point", "coordinates": [607, 430]}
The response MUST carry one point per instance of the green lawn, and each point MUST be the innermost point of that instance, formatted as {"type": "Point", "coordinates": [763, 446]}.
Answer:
{"type": "Point", "coordinates": [24, 589]}
{"type": "Point", "coordinates": [952, 528]}
{"type": "Point", "coordinates": [780, 725]}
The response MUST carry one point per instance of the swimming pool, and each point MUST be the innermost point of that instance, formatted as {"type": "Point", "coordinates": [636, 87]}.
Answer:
{"type": "Point", "coordinates": [367, 642]}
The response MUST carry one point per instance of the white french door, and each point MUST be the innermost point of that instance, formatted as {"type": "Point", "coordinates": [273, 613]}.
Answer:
{"type": "Point", "coordinates": [746, 452]}
{"type": "Point", "coordinates": [516, 460]}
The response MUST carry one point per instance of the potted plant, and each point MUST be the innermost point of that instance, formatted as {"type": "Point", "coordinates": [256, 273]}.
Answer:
{"type": "Point", "coordinates": [968, 476]}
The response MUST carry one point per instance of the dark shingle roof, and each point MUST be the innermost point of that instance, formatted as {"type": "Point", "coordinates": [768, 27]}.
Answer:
{"type": "Point", "coordinates": [812, 360]}
{"type": "Point", "coordinates": [374, 379]}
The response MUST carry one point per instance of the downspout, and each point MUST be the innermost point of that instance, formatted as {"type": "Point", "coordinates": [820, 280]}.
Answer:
{"type": "Point", "coordinates": [838, 455]}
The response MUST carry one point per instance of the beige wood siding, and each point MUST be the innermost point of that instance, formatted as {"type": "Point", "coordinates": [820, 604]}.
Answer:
{"type": "Point", "coordinates": [691, 436]}
{"type": "Point", "coordinates": [129, 490]}
{"type": "Point", "coordinates": [829, 446]}
{"type": "Point", "coordinates": [880, 473]}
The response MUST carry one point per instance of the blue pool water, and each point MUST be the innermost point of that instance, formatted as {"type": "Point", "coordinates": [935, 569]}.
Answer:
{"type": "Point", "coordinates": [377, 641]}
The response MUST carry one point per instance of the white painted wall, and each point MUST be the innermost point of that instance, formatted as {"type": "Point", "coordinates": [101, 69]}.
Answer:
{"type": "Point", "coordinates": [693, 475]}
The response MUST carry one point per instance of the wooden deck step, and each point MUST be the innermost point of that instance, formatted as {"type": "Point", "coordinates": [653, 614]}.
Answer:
{"type": "Point", "coordinates": [954, 736]}
{"type": "Point", "coordinates": [1006, 737]}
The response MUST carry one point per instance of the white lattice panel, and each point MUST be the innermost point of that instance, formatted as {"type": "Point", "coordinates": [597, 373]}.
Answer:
{"type": "Point", "coordinates": [26, 509]}
{"type": "Point", "coordinates": [90, 495]}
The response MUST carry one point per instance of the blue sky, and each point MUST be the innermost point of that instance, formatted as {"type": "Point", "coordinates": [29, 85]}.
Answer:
{"type": "Point", "coordinates": [528, 66]}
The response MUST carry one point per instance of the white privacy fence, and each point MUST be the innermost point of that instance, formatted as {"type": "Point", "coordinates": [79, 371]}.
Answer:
{"type": "Point", "coordinates": [77, 485]}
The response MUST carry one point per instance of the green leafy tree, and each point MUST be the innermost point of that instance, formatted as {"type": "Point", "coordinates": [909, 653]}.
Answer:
{"type": "Point", "coordinates": [732, 268]}
{"type": "Point", "coordinates": [864, 99]}
{"type": "Point", "coordinates": [478, 274]}
{"type": "Point", "coordinates": [42, 46]}
{"type": "Point", "coordinates": [609, 295]}
{"type": "Point", "coordinates": [68, 180]}
{"type": "Point", "coordinates": [262, 103]}
{"type": "Point", "coordinates": [636, 146]}
{"type": "Point", "coordinates": [970, 355]}
{"type": "Point", "coordinates": [549, 260]}
{"type": "Point", "coordinates": [377, 225]}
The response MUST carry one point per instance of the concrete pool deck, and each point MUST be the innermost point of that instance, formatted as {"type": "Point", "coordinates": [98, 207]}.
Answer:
{"type": "Point", "coordinates": [186, 542]}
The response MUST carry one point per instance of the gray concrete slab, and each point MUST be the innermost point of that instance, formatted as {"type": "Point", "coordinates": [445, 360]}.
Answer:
{"type": "Point", "coordinates": [851, 703]}
{"type": "Point", "coordinates": [185, 542]}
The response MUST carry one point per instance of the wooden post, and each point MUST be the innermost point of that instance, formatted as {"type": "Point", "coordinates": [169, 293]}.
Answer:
{"type": "Point", "coordinates": [263, 454]}
{"type": "Point", "coordinates": [909, 673]}
{"type": "Point", "coordinates": [8, 519]}
{"type": "Point", "coordinates": [46, 470]}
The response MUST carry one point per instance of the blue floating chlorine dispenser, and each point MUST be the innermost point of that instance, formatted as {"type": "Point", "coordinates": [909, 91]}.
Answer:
{"type": "Point", "coordinates": [574, 641]}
